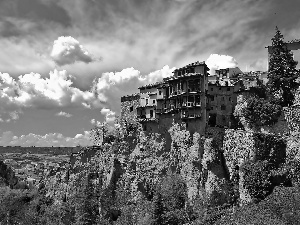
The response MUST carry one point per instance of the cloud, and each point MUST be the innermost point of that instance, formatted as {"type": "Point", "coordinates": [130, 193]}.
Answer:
{"type": "Point", "coordinates": [47, 140]}
{"type": "Point", "coordinates": [57, 91]}
{"type": "Point", "coordinates": [215, 62]}
{"type": "Point", "coordinates": [63, 114]}
{"type": "Point", "coordinates": [67, 50]}
{"type": "Point", "coordinates": [259, 65]}
{"type": "Point", "coordinates": [110, 116]}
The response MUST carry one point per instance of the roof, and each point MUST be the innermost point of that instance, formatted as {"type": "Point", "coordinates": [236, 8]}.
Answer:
{"type": "Point", "coordinates": [151, 85]}
{"type": "Point", "coordinates": [224, 83]}
{"type": "Point", "coordinates": [191, 65]}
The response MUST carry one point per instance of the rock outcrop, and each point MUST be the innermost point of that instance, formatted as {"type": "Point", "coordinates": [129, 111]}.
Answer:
{"type": "Point", "coordinates": [217, 185]}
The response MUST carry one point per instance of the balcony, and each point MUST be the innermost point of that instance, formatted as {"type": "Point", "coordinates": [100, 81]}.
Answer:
{"type": "Point", "coordinates": [173, 94]}
{"type": "Point", "coordinates": [148, 119]}
{"type": "Point", "coordinates": [190, 104]}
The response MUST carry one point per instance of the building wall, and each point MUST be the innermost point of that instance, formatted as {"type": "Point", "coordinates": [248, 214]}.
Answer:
{"type": "Point", "coordinates": [129, 105]}
{"type": "Point", "coordinates": [221, 104]}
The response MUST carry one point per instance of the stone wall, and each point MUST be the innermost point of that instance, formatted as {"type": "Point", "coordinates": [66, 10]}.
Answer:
{"type": "Point", "coordinates": [129, 105]}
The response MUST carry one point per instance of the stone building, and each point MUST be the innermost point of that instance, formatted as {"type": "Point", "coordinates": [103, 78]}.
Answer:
{"type": "Point", "coordinates": [180, 98]}
{"type": "Point", "coordinates": [222, 99]}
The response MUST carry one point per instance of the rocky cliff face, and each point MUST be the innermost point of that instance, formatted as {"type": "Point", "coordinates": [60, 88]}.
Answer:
{"type": "Point", "coordinates": [217, 185]}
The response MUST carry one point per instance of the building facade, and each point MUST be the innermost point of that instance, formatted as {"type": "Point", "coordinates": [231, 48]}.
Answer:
{"type": "Point", "coordinates": [192, 97]}
{"type": "Point", "coordinates": [180, 98]}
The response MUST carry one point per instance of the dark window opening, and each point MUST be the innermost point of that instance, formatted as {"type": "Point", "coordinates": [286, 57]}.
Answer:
{"type": "Point", "coordinates": [144, 127]}
{"type": "Point", "coordinates": [229, 98]}
{"type": "Point", "coordinates": [211, 89]}
{"type": "Point", "coordinates": [151, 113]}
{"type": "Point", "coordinates": [159, 92]}
{"type": "Point", "coordinates": [223, 107]}
{"type": "Point", "coordinates": [212, 120]}
{"type": "Point", "coordinates": [153, 101]}
{"type": "Point", "coordinates": [219, 89]}
{"type": "Point", "coordinates": [131, 108]}
{"type": "Point", "coordinates": [228, 89]}
{"type": "Point", "coordinates": [212, 98]}
{"type": "Point", "coordinates": [146, 101]}
{"type": "Point", "coordinates": [187, 125]}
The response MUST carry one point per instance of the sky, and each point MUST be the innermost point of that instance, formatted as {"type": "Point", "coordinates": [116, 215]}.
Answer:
{"type": "Point", "coordinates": [64, 64]}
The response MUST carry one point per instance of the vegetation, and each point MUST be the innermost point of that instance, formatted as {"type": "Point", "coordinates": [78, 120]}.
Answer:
{"type": "Point", "coordinates": [282, 71]}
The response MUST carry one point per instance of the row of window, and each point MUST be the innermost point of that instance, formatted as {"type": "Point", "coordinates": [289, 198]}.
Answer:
{"type": "Point", "coordinates": [223, 98]}
{"type": "Point", "coordinates": [223, 107]}
{"type": "Point", "coordinates": [228, 89]}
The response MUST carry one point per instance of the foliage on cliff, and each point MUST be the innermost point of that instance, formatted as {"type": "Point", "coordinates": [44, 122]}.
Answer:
{"type": "Point", "coordinates": [282, 71]}
{"type": "Point", "coordinates": [260, 112]}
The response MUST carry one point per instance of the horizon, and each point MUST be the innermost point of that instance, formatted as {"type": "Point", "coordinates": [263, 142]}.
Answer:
{"type": "Point", "coordinates": [65, 64]}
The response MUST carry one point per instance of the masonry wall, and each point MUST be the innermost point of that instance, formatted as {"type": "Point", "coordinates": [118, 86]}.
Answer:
{"type": "Point", "coordinates": [129, 105]}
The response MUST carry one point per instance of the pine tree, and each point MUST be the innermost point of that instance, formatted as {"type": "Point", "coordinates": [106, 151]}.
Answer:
{"type": "Point", "coordinates": [282, 71]}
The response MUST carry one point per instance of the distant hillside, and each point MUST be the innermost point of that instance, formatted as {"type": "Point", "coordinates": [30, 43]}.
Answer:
{"type": "Point", "coordinates": [39, 150]}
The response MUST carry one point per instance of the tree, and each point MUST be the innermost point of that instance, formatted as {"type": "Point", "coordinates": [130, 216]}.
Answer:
{"type": "Point", "coordinates": [282, 71]}
{"type": "Point", "coordinates": [260, 112]}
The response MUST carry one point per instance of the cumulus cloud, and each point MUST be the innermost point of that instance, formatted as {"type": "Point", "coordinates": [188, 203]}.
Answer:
{"type": "Point", "coordinates": [32, 90]}
{"type": "Point", "coordinates": [48, 140]}
{"type": "Point", "coordinates": [63, 114]}
{"type": "Point", "coordinates": [215, 62]}
{"type": "Point", "coordinates": [110, 116]}
{"type": "Point", "coordinates": [158, 75]}
{"type": "Point", "coordinates": [67, 50]}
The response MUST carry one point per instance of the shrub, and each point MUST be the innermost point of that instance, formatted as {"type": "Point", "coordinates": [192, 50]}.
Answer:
{"type": "Point", "coordinates": [261, 112]}
{"type": "Point", "coordinates": [257, 178]}
{"type": "Point", "coordinates": [170, 200]}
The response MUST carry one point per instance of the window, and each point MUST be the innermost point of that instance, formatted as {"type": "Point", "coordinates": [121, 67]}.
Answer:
{"type": "Point", "coordinates": [159, 92]}
{"type": "Point", "coordinates": [219, 89]}
{"type": "Point", "coordinates": [212, 98]}
{"type": "Point", "coordinates": [151, 113]}
{"type": "Point", "coordinates": [223, 99]}
{"type": "Point", "coordinates": [146, 101]}
{"type": "Point", "coordinates": [212, 89]}
{"type": "Point", "coordinates": [131, 108]}
{"type": "Point", "coordinates": [229, 98]}
{"type": "Point", "coordinates": [153, 101]}
{"type": "Point", "coordinates": [223, 107]}
{"type": "Point", "coordinates": [228, 89]}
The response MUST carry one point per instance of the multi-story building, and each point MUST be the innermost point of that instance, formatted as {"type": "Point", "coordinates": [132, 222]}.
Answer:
{"type": "Point", "coordinates": [180, 98]}
{"type": "Point", "coordinates": [222, 99]}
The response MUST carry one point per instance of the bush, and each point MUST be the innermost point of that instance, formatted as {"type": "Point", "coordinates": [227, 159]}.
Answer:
{"type": "Point", "coordinates": [170, 200]}
{"type": "Point", "coordinates": [257, 178]}
{"type": "Point", "coordinates": [260, 112]}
